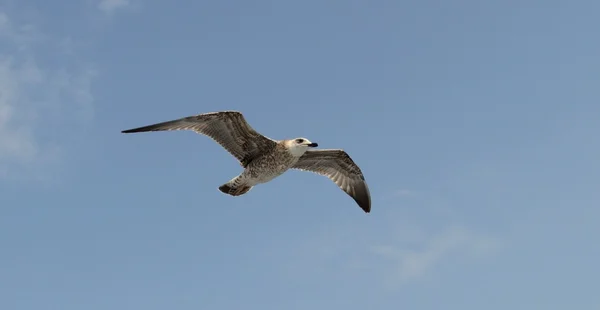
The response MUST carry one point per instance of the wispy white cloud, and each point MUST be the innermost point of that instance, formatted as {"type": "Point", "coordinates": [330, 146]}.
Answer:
{"type": "Point", "coordinates": [402, 248]}
{"type": "Point", "coordinates": [16, 137]}
{"type": "Point", "coordinates": [413, 260]}
{"type": "Point", "coordinates": [39, 91]}
{"type": "Point", "coordinates": [109, 6]}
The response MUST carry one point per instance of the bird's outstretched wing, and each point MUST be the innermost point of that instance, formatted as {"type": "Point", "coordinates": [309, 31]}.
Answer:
{"type": "Point", "coordinates": [228, 128]}
{"type": "Point", "coordinates": [341, 169]}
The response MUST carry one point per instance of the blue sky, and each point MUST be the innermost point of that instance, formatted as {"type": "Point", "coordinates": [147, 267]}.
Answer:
{"type": "Point", "coordinates": [475, 124]}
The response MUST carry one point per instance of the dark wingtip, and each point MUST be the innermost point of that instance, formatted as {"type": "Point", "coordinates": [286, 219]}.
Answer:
{"type": "Point", "coordinates": [365, 206]}
{"type": "Point", "coordinates": [154, 127]}
{"type": "Point", "coordinates": [130, 130]}
{"type": "Point", "coordinates": [363, 199]}
{"type": "Point", "coordinates": [140, 129]}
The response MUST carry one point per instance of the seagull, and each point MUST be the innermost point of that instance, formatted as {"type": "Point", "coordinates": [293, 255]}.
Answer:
{"type": "Point", "coordinates": [264, 159]}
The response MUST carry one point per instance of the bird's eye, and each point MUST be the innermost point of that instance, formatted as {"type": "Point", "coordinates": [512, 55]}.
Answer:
{"type": "Point", "coordinates": [299, 140]}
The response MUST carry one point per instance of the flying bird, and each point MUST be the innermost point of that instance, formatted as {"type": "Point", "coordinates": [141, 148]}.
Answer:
{"type": "Point", "coordinates": [264, 159]}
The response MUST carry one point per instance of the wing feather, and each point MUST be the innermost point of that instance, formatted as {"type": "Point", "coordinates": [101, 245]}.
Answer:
{"type": "Point", "coordinates": [340, 168]}
{"type": "Point", "coordinates": [228, 128]}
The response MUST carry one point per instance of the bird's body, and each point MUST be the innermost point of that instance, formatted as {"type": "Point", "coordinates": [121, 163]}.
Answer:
{"type": "Point", "coordinates": [264, 159]}
{"type": "Point", "coordinates": [263, 169]}
{"type": "Point", "coordinates": [270, 165]}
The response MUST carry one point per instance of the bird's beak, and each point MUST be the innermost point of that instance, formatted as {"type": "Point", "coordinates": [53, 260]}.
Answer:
{"type": "Point", "coordinates": [313, 144]}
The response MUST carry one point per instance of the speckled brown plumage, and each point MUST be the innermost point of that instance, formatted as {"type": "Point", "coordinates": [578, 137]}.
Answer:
{"type": "Point", "coordinates": [228, 128]}
{"type": "Point", "coordinates": [265, 159]}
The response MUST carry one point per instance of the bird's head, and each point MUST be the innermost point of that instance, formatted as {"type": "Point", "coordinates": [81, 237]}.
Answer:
{"type": "Point", "coordinates": [299, 145]}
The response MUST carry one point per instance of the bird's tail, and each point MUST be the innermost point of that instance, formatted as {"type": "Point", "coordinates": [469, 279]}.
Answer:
{"type": "Point", "coordinates": [235, 188]}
